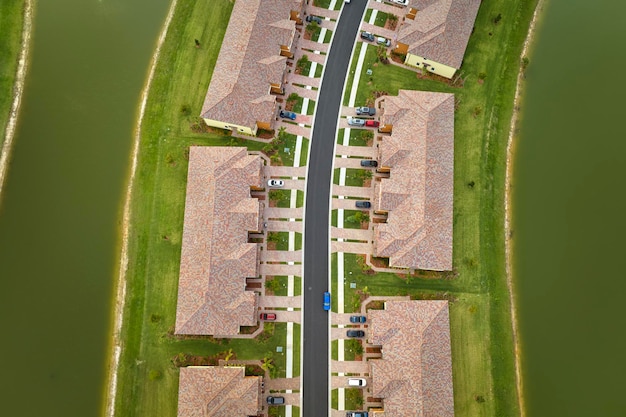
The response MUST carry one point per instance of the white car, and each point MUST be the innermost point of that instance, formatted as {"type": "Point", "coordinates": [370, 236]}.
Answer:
{"type": "Point", "coordinates": [383, 41]}
{"type": "Point", "coordinates": [357, 382]}
{"type": "Point", "coordinates": [353, 121]}
{"type": "Point", "coordinates": [401, 2]}
{"type": "Point", "coordinates": [275, 183]}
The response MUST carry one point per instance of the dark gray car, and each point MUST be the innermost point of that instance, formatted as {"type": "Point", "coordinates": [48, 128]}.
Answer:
{"type": "Point", "coordinates": [369, 163]}
{"type": "Point", "coordinates": [367, 111]}
{"type": "Point", "coordinates": [316, 19]}
{"type": "Point", "coordinates": [363, 204]}
{"type": "Point", "coordinates": [276, 400]}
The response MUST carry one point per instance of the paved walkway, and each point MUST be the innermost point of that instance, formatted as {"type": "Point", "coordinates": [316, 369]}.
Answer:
{"type": "Point", "coordinates": [282, 255]}
{"type": "Point", "coordinates": [349, 191]}
{"type": "Point", "coordinates": [388, 8]}
{"type": "Point", "coordinates": [363, 151]}
{"type": "Point", "coordinates": [319, 11]}
{"type": "Point", "coordinates": [280, 269]}
{"type": "Point", "coordinates": [302, 92]}
{"type": "Point", "coordinates": [351, 234]}
{"type": "Point", "coordinates": [296, 129]}
{"type": "Point", "coordinates": [354, 163]}
{"type": "Point", "coordinates": [313, 46]}
{"type": "Point", "coordinates": [319, 58]}
{"type": "Point", "coordinates": [378, 31]}
{"type": "Point", "coordinates": [285, 171]}
{"type": "Point", "coordinates": [344, 319]}
{"type": "Point", "coordinates": [284, 226]}
{"type": "Point", "coordinates": [282, 213]}
{"type": "Point", "coordinates": [349, 367]}
{"type": "Point", "coordinates": [351, 247]}
{"type": "Point", "coordinates": [280, 301]}
{"type": "Point", "coordinates": [304, 80]}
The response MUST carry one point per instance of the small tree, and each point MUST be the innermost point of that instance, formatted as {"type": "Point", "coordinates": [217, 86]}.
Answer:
{"type": "Point", "coordinates": [393, 21]}
{"type": "Point", "coordinates": [497, 19]}
{"type": "Point", "coordinates": [482, 76]}
{"type": "Point", "coordinates": [303, 63]}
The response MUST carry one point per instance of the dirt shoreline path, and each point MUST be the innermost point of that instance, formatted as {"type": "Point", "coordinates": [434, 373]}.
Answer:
{"type": "Point", "coordinates": [18, 89]}
{"type": "Point", "coordinates": [120, 298]}
{"type": "Point", "coordinates": [507, 205]}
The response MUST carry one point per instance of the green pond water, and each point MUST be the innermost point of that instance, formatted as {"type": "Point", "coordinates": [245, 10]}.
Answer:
{"type": "Point", "coordinates": [569, 208]}
{"type": "Point", "coordinates": [61, 204]}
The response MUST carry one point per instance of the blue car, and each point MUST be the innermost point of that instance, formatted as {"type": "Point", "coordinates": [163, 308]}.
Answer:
{"type": "Point", "coordinates": [287, 115]}
{"type": "Point", "coordinates": [326, 301]}
{"type": "Point", "coordinates": [357, 319]}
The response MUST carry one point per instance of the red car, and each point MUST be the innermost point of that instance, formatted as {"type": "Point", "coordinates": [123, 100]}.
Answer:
{"type": "Point", "coordinates": [268, 316]}
{"type": "Point", "coordinates": [372, 123]}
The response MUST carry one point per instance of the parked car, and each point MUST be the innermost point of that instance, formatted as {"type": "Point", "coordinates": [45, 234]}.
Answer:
{"type": "Point", "coordinates": [316, 19]}
{"type": "Point", "coordinates": [288, 115]}
{"type": "Point", "coordinates": [355, 333]}
{"type": "Point", "coordinates": [347, 1]}
{"type": "Point", "coordinates": [275, 183]}
{"type": "Point", "coordinates": [401, 2]}
{"type": "Point", "coordinates": [326, 301]}
{"type": "Point", "coordinates": [367, 111]}
{"type": "Point", "coordinates": [363, 204]}
{"type": "Point", "coordinates": [275, 400]}
{"type": "Point", "coordinates": [357, 382]}
{"type": "Point", "coordinates": [358, 319]}
{"type": "Point", "coordinates": [383, 41]}
{"type": "Point", "coordinates": [268, 316]}
{"type": "Point", "coordinates": [367, 36]}
{"type": "Point", "coordinates": [369, 163]}
{"type": "Point", "coordinates": [372, 123]}
{"type": "Point", "coordinates": [357, 414]}
{"type": "Point", "coordinates": [353, 121]}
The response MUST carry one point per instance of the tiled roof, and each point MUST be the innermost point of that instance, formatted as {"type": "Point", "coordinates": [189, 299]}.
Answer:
{"type": "Point", "coordinates": [441, 29]}
{"type": "Point", "coordinates": [414, 377]}
{"type": "Point", "coordinates": [239, 92]}
{"type": "Point", "coordinates": [217, 392]}
{"type": "Point", "coordinates": [419, 193]}
{"type": "Point", "coordinates": [216, 257]}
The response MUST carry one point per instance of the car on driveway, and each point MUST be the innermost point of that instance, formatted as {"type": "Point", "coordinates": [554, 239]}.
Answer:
{"type": "Point", "coordinates": [275, 183]}
{"type": "Point", "coordinates": [275, 400]}
{"type": "Point", "coordinates": [357, 382]}
{"type": "Point", "coordinates": [354, 121]}
{"type": "Point", "coordinates": [357, 414]}
{"type": "Point", "coordinates": [316, 19]}
{"type": "Point", "coordinates": [268, 316]}
{"type": "Point", "coordinates": [367, 36]}
{"type": "Point", "coordinates": [383, 41]}
{"type": "Point", "coordinates": [358, 319]}
{"type": "Point", "coordinates": [363, 204]}
{"type": "Point", "coordinates": [326, 301]}
{"type": "Point", "coordinates": [355, 333]}
{"type": "Point", "coordinates": [368, 163]}
{"type": "Point", "coordinates": [288, 115]}
{"type": "Point", "coordinates": [367, 111]}
{"type": "Point", "coordinates": [372, 123]}
{"type": "Point", "coordinates": [400, 2]}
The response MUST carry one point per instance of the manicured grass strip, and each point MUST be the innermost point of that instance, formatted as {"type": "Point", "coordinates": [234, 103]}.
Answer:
{"type": "Point", "coordinates": [11, 24]}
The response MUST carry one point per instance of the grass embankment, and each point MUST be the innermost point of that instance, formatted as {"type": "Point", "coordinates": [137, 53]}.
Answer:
{"type": "Point", "coordinates": [147, 379]}
{"type": "Point", "coordinates": [481, 328]}
{"type": "Point", "coordinates": [11, 24]}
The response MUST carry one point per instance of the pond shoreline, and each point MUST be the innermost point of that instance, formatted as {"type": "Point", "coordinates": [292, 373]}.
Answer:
{"type": "Point", "coordinates": [18, 89]}
{"type": "Point", "coordinates": [510, 154]}
{"type": "Point", "coordinates": [120, 286]}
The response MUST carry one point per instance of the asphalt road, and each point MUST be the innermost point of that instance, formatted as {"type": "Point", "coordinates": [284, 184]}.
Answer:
{"type": "Point", "coordinates": [316, 365]}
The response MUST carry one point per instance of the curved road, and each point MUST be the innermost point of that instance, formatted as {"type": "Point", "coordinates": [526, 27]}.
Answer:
{"type": "Point", "coordinates": [315, 366]}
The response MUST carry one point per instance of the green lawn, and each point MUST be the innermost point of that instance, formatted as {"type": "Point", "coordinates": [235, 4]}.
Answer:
{"type": "Point", "coordinates": [11, 23]}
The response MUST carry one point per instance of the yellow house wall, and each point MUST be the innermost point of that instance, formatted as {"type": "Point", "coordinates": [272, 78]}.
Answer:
{"type": "Point", "coordinates": [246, 130]}
{"type": "Point", "coordinates": [439, 69]}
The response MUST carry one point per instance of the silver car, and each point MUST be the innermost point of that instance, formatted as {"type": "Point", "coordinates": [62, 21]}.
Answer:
{"type": "Point", "coordinates": [353, 121]}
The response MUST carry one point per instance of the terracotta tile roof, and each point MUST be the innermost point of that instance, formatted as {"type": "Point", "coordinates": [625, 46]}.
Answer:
{"type": "Point", "coordinates": [414, 377]}
{"type": "Point", "coordinates": [419, 193]}
{"type": "Point", "coordinates": [249, 61]}
{"type": "Point", "coordinates": [441, 29]}
{"type": "Point", "coordinates": [217, 392]}
{"type": "Point", "coordinates": [216, 257]}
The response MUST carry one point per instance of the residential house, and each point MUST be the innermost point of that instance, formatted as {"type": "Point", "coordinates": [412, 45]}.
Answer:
{"type": "Point", "coordinates": [414, 376]}
{"type": "Point", "coordinates": [434, 34]}
{"type": "Point", "coordinates": [417, 197]}
{"type": "Point", "coordinates": [218, 391]}
{"type": "Point", "coordinates": [250, 69]}
{"type": "Point", "coordinates": [216, 256]}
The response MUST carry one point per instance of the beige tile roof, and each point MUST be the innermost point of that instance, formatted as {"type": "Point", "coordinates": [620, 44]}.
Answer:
{"type": "Point", "coordinates": [441, 29]}
{"type": "Point", "coordinates": [419, 193]}
{"type": "Point", "coordinates": [414, 377]}
{"type": "Point", "coordinates": [217, 392]}
{"type": "Point", "coordinates": [216, 257]}
{"type": "Point", "coordinates": [249, 61]}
